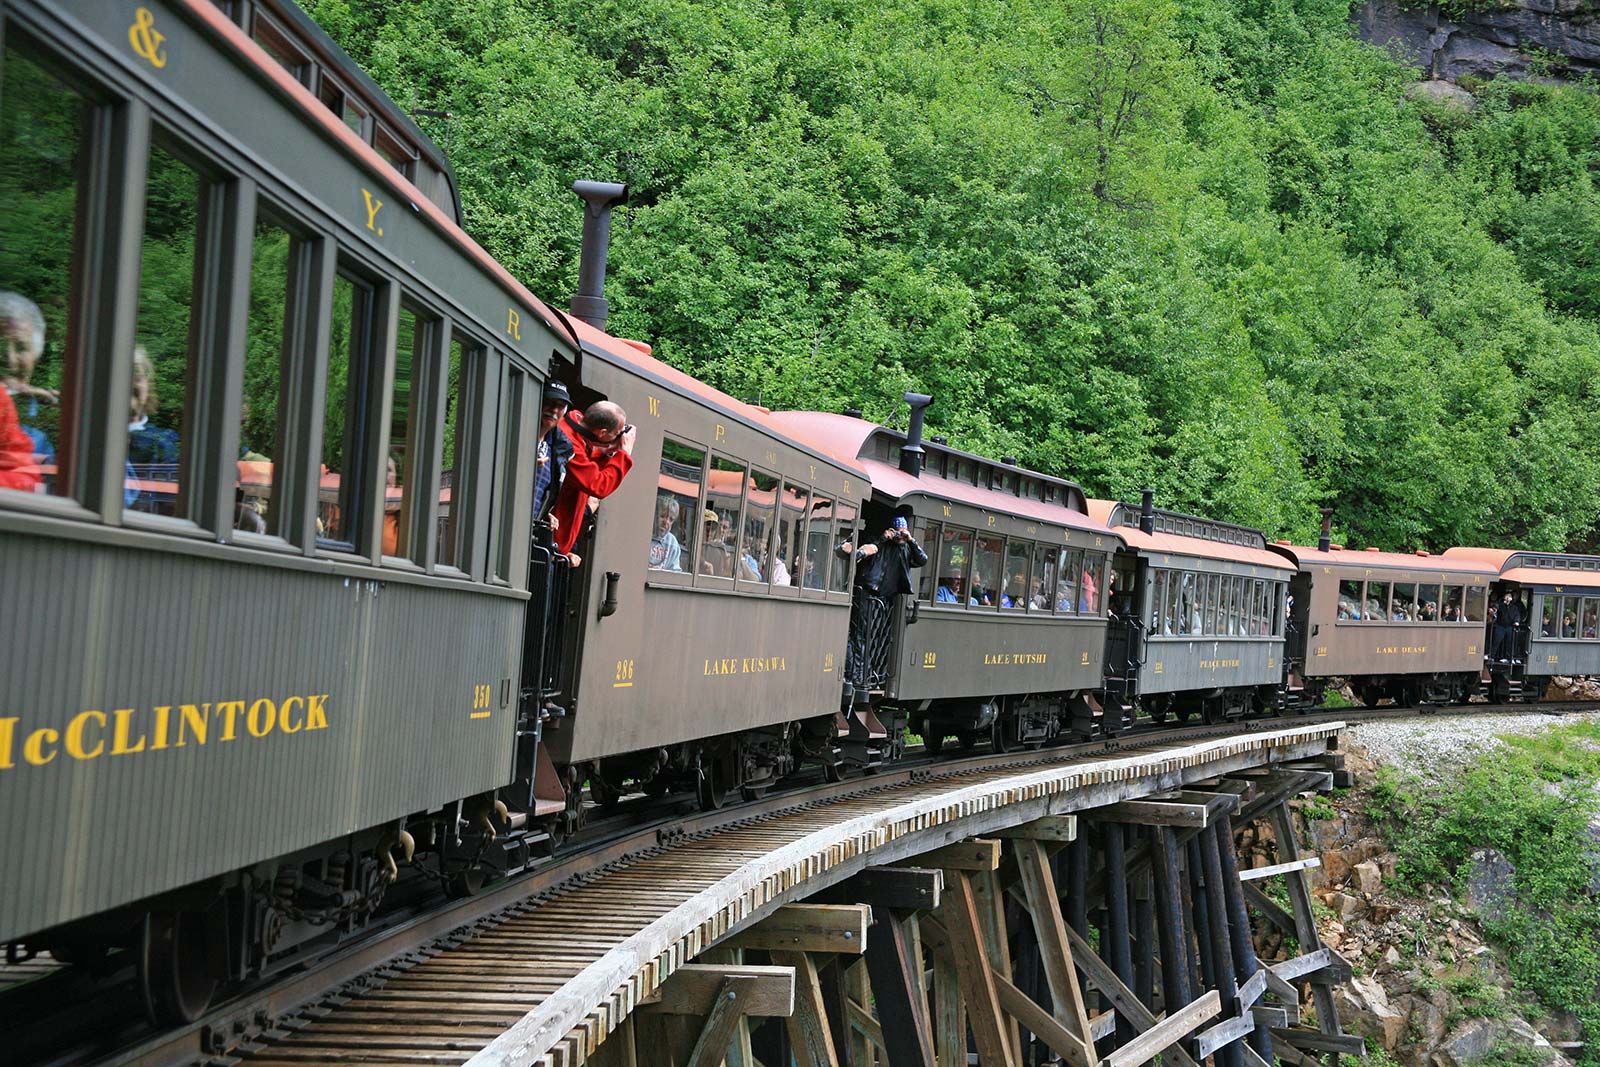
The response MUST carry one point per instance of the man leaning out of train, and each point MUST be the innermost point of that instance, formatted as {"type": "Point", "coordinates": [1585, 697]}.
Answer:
{"type": "Point", "coordinates": [554, 449]}
{"type": "Point", "coordinates": [602, 454]}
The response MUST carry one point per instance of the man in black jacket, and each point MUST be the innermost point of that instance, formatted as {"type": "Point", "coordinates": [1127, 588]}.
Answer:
{"type": "Point", "coordinates": [883, 572]}
{"type": "Point", "coordinates": [1507, 617]}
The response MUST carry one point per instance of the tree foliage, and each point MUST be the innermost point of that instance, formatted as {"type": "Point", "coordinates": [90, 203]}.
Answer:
{"type": "Point", "coordinates": [1206, 246]}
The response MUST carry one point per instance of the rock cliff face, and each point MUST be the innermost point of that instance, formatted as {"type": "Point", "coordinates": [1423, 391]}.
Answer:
{"type": "Point", "coordinates": [1518, 38]}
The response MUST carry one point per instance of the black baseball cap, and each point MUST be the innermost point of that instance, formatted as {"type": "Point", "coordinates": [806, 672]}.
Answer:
{"type": "Point", "coordinates": [554, 390]}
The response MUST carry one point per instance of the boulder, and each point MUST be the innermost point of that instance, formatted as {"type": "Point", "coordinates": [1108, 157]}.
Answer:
{"type": "Point", "coordinates": [1344, 905]}
{"type": "Point", "coordinates": [1335, 868]}
{"type": "Point", "coordinates": [1369, 878]}
{"type": "Point", "coordinates": [1490, 883]}
{"type": "Point", "coordinates": [1441, 92]}
{"type": "Point", "coordinates": [1364, 1009]}
{"type": "Point", "coordinates": [1467, 1044]}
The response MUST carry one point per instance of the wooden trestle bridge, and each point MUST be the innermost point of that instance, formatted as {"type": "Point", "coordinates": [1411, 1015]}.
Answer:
{"type": "Point", "coordinates": [1078, 910]}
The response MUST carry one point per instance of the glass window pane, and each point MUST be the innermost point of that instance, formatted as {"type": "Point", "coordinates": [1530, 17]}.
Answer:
{"type": "Point", "coordinates": [1042, 590]}
{"type": "Point", "coordinates": [677, 501]}
{"type": "Point", "coordinates": [1547, 615]}
{"type": "Point", "coordinates": [404, 417]}
{"type": "Point", "coordinates": [1477, 603]}
{"type": "Point", "coordinates": [41, 134]}
{"type": "Point", "coordinates": [1067, 580]}
{"type": "Point", "coordinates": [928, 537]}
{"type": "Point", "coordinates": [1158, 596]}
{"type": "Point", "coordinates": [795, 503]}
{"type": "Point", "coordinates": [1014, 591]}
{"type": "Point", "coordinates": [1213, 594]}
{"type": "Point", "coordinates": [1377, 601]}
{"type": "Point", "coordinates": [819, 528]}
{"type": "Point", "coordinates": [158, 431]}
{"type": "Point", "coordinates": [1569, 616]}
{"type": "Point", "coordinates": [955, 557]}
{"type": "Point", "coordinates": [1428, 603]}
{"type": "Point", "coordinates": [719, 551]}
{"type": "Point", "coordinates": [984, 589]}
{"type": "Point", "coordinates": [755, 545]}
{"type": "Point", "coordinates": [259, 425]}
{"type": "Point", "coordinates": [839, 572]}
{"type": "Point", "coordinates": [349, 340]}
{"type": "Point", "coordinates": [1451, 608]}
{"type": "Point", "coordinates": [1090, 580]}
{"type": "Point", "coordinates": [1403, 607]}
{"type": "Point", "coordinates": [1187, 611]}
{"type": "Point", "coordinates": [452, 489]}
{"type": "Point", "coordinates": [1590, 627]}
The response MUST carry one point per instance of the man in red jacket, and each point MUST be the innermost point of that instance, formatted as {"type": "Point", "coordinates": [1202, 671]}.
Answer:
{"type": "Point", "coordinates": [602, 455]}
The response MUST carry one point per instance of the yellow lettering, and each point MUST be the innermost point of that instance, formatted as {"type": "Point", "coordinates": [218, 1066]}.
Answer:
{"type": "Point", "coordinates": [33, 747]}
{"type": "Point", "coordinates": [991, 520]}
{"type": "Point", "coordinates": [721, 432]}
{"type": "Point", "coordinates": [846, 489]}
{"type": "Point", "coordinates": [8, 730]}
{"type": "Point", "coordinates": [947, 511]}
{"type": "Point", "coordinates": [146, 39]}
{"type": "Point", "coordinates": [119, 736]}
{"type": "Point", "coordinates": [514, 324]}
{"type": "Point", "coordinates": [162, 715]}
{"type": "Point", "coordinates": [233, 708]}
{"type": "Point", "coordinates": [283, 715]}
{"type": "Point", "coordinates": [317, 712]}
{"type": "Point", "coordinates": [373, 204]}
{"type": "Point", "coordinates": [196, 720]}
{"type": "Point", "coordinates": [655, 406]}
{"type": "Point", "coordinates": [74, 738]}
{"type": "Point", "coordinates": [260, 724]}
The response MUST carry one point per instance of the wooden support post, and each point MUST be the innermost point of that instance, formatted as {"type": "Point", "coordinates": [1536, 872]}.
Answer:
{"type": "Point", "coordinates": [1120, 996]}
{"type": "Point", "coordinates": [726, 1012]}
{"type": "Point", "coordinates": [809, 928]}
{"type": "Point", "coordinates": [740, 1053]}
{"type": "Point", "coordinates": [1144, 938]}
{"type": "Point", "coordinates": [960, 918]}
{"type": "Point", "coordinates": [618, 1049]}
{"type": "Point", "coordinates": [1227, 982]}
{"type": "Point", "coordinates": [996, 940]}
{"type": "Point", "coordinates": [809, 1028]}
{"type": "Point", "coordinates": [1172, 929]}
{"type": "Point", "coordinates": [895, 968]}
{"type": "Point", "coordinates": [1191, 945]}
{"type": "Point", "coordinates": [1055, 951]}
{"type": "Point", "coordinates": [1117, 929]}
{"type": "Point", "coordinates": [1245, 964]}
{"type": "Point", "coordinates": [831, 975]}
{"type": "Point", "coordinates": [1154, 813]}
{"type": "Point", "coordinates": [1305, 922]}
{"type": "Point", "coordinates": [1201, 906]}
{"type": "Point", "coordinates": [949, 1013]}
{"type": "Point", "coordinates": [857, 992]}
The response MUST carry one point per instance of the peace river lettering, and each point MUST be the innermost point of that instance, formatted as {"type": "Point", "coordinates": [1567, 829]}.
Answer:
{"type": "Point", "coordinates": [89, 735]}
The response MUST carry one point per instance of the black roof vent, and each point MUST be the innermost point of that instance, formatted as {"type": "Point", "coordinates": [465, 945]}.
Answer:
{"type": "Point", "coordinates": [589, 304]}
{"type": "Point", "coordinates": [1326, 538]}
{"type": "Point", "coordinates": [939, 439]}
{"type": "Point", "coordinates": [912, 453]}
{"type": "Point", "coordinates": [852, 413]}
{"type": "Point", "coordinates": [1147, 510]}
{"type": "Point", "coordinates": [1010, 461]}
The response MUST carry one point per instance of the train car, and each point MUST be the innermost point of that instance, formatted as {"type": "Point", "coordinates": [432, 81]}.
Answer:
{"type": "Point", "coordinates": [1407, 628]}
{"type": "Point", "coordinates": [1005, 638]}
{"type": "Point", "coordinates": [265, 561]}
{"type": "Point", "coordinates": [1198, 616]}
{"type": "Point", "coordinates": [1559, 594]}
{"type": "Point", "coordinates": [711, 612]}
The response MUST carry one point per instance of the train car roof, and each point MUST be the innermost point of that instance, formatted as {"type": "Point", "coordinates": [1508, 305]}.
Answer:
{"type": "Point", "coordinates": [1188, 535]}
{"type": "Point", "coordinates": [1534, 568]}
{"type": "Point", "coordinates": [1310, 555]}
{"type": "Point", "coordinates": [846, 435]}
{"type": "Point", "coordinates": [218, 23]}
{"type": "Point", "coordinates": [636, 356]}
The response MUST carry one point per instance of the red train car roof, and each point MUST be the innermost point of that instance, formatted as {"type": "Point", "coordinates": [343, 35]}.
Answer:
{"type": "Point", "coordinates": [1513, 565]}
{"type": "Point", "coordinates": [1116, 514]}
{"type": "Point", "coordinates": [1310, 555]}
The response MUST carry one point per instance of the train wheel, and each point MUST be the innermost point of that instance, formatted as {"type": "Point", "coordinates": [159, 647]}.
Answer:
{"type": "Point", "coordinates": [465, 883]}
{"type": "Point", "coordinates": [965, 739]}
{"type": "Point", "coordinates": [998, 738]}
{"type": "Point", "coordinates": [932, 741]}
{"type": "Point", "coordinates": [710, 790]}
{"type": "Point", "coordinates": [657, 787]}
{"type": "Point", "coordinates": [1370, 695]}
{"type": "Point", "coordinates": [174, 970]}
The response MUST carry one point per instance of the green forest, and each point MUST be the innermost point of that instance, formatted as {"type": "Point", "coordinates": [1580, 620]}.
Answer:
{"type": "Point", "coordinates": [1212, 247]}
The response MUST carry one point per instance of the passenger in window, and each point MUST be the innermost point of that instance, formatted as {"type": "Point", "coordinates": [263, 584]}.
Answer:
{"type": "Point", "coordinates": [811, 575]}
{"type": "Point", "coordinates": [17, 468]}
{"type": "Point", "coordinates": [949, 591]}
{"type": "Point", "coordinates": [147, 445]}
{"type": "Point", "coordinates": [1507, 617]}
{"type": "Point", "coordinates": [750, 561]}
{"type": "Point", "coordinates": [391, 510]}
{"type": "Point", "coordinates": [666, 551]}
{"type": "Point", "coordinates": [602, 455]}
{"type": "Point", "coordinates": [1569, 625]}
{"type": "Point", "coordinates": [553, 450]}
{"type": "Point", "coordinates": [716, 550]}
{"type": "Point", "coordinates": [22, 331]}
{"type": "Point", "coordinates": [780, 572]}
{"type": "Point", "coordinates": [1089, 600]}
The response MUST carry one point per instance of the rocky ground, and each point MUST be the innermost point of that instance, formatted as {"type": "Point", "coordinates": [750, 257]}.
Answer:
{"type": "Point", "coordinates": [1427, 987]}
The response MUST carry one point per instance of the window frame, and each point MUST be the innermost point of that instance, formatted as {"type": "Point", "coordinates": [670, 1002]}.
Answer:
{"type": "Point", "coordinates": [685, 578]}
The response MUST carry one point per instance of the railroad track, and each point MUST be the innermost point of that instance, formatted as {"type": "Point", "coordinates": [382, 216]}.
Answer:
{"type": "Point", "coordinates": [475, 968]}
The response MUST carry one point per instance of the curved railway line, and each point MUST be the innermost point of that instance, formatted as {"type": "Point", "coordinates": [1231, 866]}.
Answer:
{"type": "Point", "coordinates": [539, 969]}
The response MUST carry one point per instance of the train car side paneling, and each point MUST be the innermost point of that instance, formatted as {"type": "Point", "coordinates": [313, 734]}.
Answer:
{"type": "Point", "coordinates": [1176, 663]}
{"type": "Point", "coordinates": [1338, 647]}
{"type": "Point", "coordinates": [1559, 648]}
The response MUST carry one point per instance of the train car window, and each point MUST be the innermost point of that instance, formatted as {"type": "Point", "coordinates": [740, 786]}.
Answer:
{"type": "Point", "coordinates": [719, 547]}
{"type": "Point", "coordinates": [514, 458]}
{"type": "Point", "coordinates": [1590, 626]}
{"type": "Point", "coordinates": [1350, 606]}
{"type": "Point", "coordinates": [1452, 609]}
{"type": "Point", "coordinates": [927, 534]}
{"type": "Point", "coordinates": [453, 490]}
{"type": "Point", "coordinates": [677, 521]}
{"type": "Point", "coordinates": [814, 567]}
{"type": "Point", "coordinates": [843, 525]}
{"type": "Point", "coordinates": [1233, 593]}
{"type": "Point", "coordinates": [349, 348]}
{"type": "Point", "coordinates": [755, 543]}
{"type": "Point", "coordinates": [260, 424]}
{"type": "Point", "coordinates": [1092, 582]}
{"type": "Point", "coordinates": [983, 585]}
{"type": "Point", "coordinates": [1067, 581]}
{"type": "Point", "coordinates": [1014, 591]}
{"type": "Point", "coordinates": [1042, 590]}
{"type": "Point", "coordinates": [1548, 606]}
{"type": "Point", "coordinates": [404, 417]}
{"type": "Point", "coordinates": [1210, 592]}
{"type": "Point", "coordinates": [1253, 601]}
{"type": "Point", "coordinates": [1377, 608]}
{"type": "Point", "coordinates": [1158, 620]}
{"type": "Point", "coordinates": [1477, 603]}
{"type": "Point", "coordinates": [790, 547]}
{"type": "Point", "coordinates": [1240, 618]}
{"type": "Point", "coordinates": [281, 47]}
{"type": "Point", "coordinates": [1569, 616]}
{"type": "Point", "coordinates": [159, 422]}
{"type": "Point", "coordinates": [1403, 606]}
{"type": "Point", "coordinates": [955, 558]}
{"type": "Point", "coordinates": [1428, 598]}
{"type": "Point", "coordinates": [42, 122]}
{"type": "Point", "coordinates": [1186, 610]}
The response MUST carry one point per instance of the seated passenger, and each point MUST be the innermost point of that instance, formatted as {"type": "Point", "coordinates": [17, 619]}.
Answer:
{"type": "Point", "coordinates": [977, 595]}
{"type": "Point", "coordinates": [715, 557]}
{"type": "Point", "coordinates": [949, 591]}
{"type": "Point", "coordinates": [780, 572]}
{"type": "Point", "coordinates": [666, 552]}
{"type": "Point", "coordinates": [1569, 625]}
{"type": "Point", "coordinates": [1430, 611]}
{"type": "Point", "coordinates": [810, 576]}
{"type": "Point", "coordinates": [750, 562]}
{"type": "Point", "coordinates": [22, 332]}
{"type": "Point", "coordinates": [1375, 612]}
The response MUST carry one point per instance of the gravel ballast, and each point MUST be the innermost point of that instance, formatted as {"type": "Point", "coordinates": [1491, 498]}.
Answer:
{"type": "Point", "coordinates": [1430, 746]}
